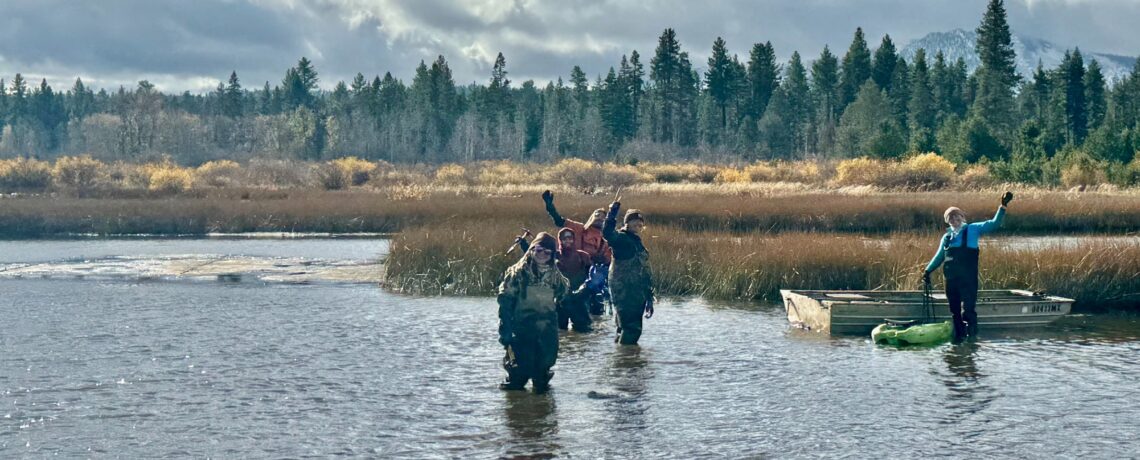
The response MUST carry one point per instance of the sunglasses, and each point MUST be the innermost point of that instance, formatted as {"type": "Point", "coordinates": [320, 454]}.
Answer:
{"type": "Point", "coordinates": [541, 249]}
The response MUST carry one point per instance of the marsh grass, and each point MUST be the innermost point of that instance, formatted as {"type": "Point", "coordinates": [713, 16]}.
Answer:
{"type": "Point", "coordinates": [468, 260]}
{"type": "Point", "coordinates": [706, 208]}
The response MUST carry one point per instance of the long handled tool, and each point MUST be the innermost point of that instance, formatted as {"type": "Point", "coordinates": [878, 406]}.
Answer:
{"type": "Point", "coordinates": [523, 236]}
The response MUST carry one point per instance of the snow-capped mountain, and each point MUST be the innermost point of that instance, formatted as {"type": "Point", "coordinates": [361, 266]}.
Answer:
{"type": "Point", "coordinates": [1030, 50]}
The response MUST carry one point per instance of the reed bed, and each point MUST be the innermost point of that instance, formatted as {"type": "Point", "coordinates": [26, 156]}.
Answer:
{"type": "Point", "coordinates": [703, 209]}
{"type": "Point", "coordinates": [468, 260]}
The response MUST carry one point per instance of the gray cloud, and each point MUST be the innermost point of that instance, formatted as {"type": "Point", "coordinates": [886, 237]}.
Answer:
{"type": "Point", "coordinates": [192, 45]}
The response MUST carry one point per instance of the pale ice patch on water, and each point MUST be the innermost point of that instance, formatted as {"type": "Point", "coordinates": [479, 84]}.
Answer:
{"type": "Point", "coordinates": [202, 268]}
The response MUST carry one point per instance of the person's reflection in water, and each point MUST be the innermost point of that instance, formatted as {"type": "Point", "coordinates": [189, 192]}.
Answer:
{"type": "Point", "coordinates": [968, 394]}
{"type": "Point", "coordinates": [533, 423]}
{"type": "Point", "coordinates": [960, 360]}
{"type": "Point", "coordinates": [624, 397]}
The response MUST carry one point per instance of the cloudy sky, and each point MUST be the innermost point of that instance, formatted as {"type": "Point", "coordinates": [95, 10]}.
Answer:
{"type": "Point", "coordinates": [192, 44]}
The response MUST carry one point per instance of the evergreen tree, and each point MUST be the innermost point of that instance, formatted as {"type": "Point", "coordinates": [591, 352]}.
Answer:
{"type": "Point", "coordinates": [883, 64]}
{"type": "Point", "coordinates": [635, 87]}
{"type": "Point", "coordinates": [581, 89]}
{"type": "Point", "coordinates": [997, 74]}
{"type": "Point", "coordinates": [528, 119]}
{"type": "Point", "coordinates": [856, 70]}
{"type": "Point", "coordinates": [1035, 96]}
{"type": "Point", "coordinates": [498, 92]}
{"type": "Point", "coordinates": [864, 131]}
{"type": "Point", "coordinates": [81, 101]}
{"type": "Point", "coordinates": [898, 93]}
{"type": "Point", "coordinates": [49, 113]}
{"type": "Point", "coordinates": [232, 97]}
{"type": "Point", "coordinates": [720, 79]}
{"type": "Point", "coordinates": [824, 92]}
{"type": "Point", "coordinates": [763, 78]}
{"type": "Point", "coordinates": [3, 106]}
{"type": "Point", "coordinates": [797, 95]}
{"type": "Point", "coordinates": [1096, 102]}
{"type": "Point", "coordinates": [675, 87]}
{"type": "Point", "coordinates": [17, 99]}
{"type": "Point", "coordinates": [1071, 87]}
{"type": "Point", "coordinates": [920, 106]}
{"type": "Point", "coordinates": [298, 85]}
{"type": "Point", "coordinates": [1124, 110]}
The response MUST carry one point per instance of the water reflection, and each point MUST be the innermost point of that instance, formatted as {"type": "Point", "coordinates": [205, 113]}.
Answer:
{"type": "Point", "coordinates": [968, 392]}
{"type": "Point", "coordinates": [533, 423]}
{"type": "Point", "coordinates": [627, 373]}
{"type": "Point", "coordinates": [960, 361]}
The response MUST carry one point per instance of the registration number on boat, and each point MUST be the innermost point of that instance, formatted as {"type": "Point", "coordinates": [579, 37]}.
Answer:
{"type": "Point", "coordinates": [1041, 308]}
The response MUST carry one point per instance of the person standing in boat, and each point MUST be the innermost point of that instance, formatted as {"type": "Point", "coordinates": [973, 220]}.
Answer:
{"type": "Point", "coordinates": [958, 255]}
{"type": "Point", "coordinates": [528, 298]}
{"type": "Point", "coordinates": [588, 238]}
{"type": "Point", "coordinates": [631, 282]}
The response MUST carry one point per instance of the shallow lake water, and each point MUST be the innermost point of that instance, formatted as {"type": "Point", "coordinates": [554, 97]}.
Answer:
{"type": "Point", "coordinates": [114, 366]}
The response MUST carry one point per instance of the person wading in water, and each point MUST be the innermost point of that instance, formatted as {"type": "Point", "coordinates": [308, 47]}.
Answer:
{"type": "Point", "coordinates": [575, 266]}
{"type": "Point", "coordinates": [958, 248]}
{"type": "Point", "coordinates": [588, 238]}
{"type": "Point", "coordinates": [631, 281]}
{"type": "Point", "coordinates": [528, 300]}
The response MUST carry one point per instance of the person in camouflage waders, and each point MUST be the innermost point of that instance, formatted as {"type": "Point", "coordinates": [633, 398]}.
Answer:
{"type": "Point", "coordinates": [528, 299]}
{"type": "Point", "coordinates": [631, 282]}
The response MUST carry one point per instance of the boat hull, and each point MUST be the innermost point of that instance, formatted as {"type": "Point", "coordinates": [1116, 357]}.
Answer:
{"type": "Point", "coordinates": [858, 312]}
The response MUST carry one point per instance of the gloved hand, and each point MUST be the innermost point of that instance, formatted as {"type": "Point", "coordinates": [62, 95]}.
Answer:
{"type": "Point", "coordinates": [615, 206]}
{"type": "Point", "coordinates": [649, 307]}
{"type": "Point", "coordinates": [925, 277]}
{"type": "Point", "coordinates": [548, 197]}
{"type": "Point", "coordinates": [1005, 199]}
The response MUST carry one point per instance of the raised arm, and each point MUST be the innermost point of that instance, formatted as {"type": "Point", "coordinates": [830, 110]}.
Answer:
{"type": "Point", "coordinates": [993, 224]}
{"type": "Point", "coordinates": [548, 198]}
{"type": "Point", "coordinates": [609, 227]}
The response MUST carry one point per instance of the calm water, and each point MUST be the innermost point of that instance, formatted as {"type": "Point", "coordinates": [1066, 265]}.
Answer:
{"type": "Point", "coordinates": [94, 368]}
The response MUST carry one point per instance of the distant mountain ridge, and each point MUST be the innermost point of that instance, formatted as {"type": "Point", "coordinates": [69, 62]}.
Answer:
{"type": "Point", "coordinates": [1030, 50]}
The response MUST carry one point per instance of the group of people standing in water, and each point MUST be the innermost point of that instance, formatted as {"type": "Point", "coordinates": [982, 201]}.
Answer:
{"type": "Point", "coordinates": [561, 281]}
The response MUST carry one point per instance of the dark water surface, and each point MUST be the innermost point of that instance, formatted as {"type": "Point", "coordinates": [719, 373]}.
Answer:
{"type": "Point", "coordinates": [91, 368]}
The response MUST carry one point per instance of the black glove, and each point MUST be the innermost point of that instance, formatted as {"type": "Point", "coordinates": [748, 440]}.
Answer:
{"type": "Point", "coordinates": [925, 277]}
{"type": "Point", "coordinates": [1005, 199]}
{"type": "Point", "coordinates": [649, 307]}
{"type": "Point", "coordinates": [548, 197]}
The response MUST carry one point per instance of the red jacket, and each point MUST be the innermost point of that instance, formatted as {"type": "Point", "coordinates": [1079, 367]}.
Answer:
{"type": "Point", "coordinates": [573, 263]}
{"type": "Point", "coordinates": [590, 240]}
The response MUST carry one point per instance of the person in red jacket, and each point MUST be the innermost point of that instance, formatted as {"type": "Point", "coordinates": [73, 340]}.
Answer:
{"type": "Point", "coordinates": [575, 266]}
{"type": "Point", "coordinates": [589, 235]}
{"type": "Point", "coordinates": [589, 239]}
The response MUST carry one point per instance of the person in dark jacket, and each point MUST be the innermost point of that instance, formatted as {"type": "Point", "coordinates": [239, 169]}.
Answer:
{"type": "Point", "coordinates": [528, 300]}
{"type": "Point", "coordinates": [958, 254]}
{"type": "Point", "coordinates": [630, 279]}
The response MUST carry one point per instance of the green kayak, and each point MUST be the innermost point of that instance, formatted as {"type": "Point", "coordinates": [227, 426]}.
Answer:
{"type": "Point", "coordinates": [912, 334]}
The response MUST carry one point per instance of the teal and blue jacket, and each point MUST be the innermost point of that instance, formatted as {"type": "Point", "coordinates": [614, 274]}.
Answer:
{"type": "Point", "coordinates": [952, 239]}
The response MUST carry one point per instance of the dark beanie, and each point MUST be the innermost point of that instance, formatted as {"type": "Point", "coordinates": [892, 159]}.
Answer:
{"type": "Point", "coordinates": [546, 241]}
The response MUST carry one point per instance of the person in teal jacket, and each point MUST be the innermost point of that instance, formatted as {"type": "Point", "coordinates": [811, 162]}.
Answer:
{"type": "Point", "coordinates": [958, 255]}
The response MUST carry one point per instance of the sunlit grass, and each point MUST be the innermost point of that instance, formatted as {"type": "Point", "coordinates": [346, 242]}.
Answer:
{"type": "Point", "coordinates": [468, 259]}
